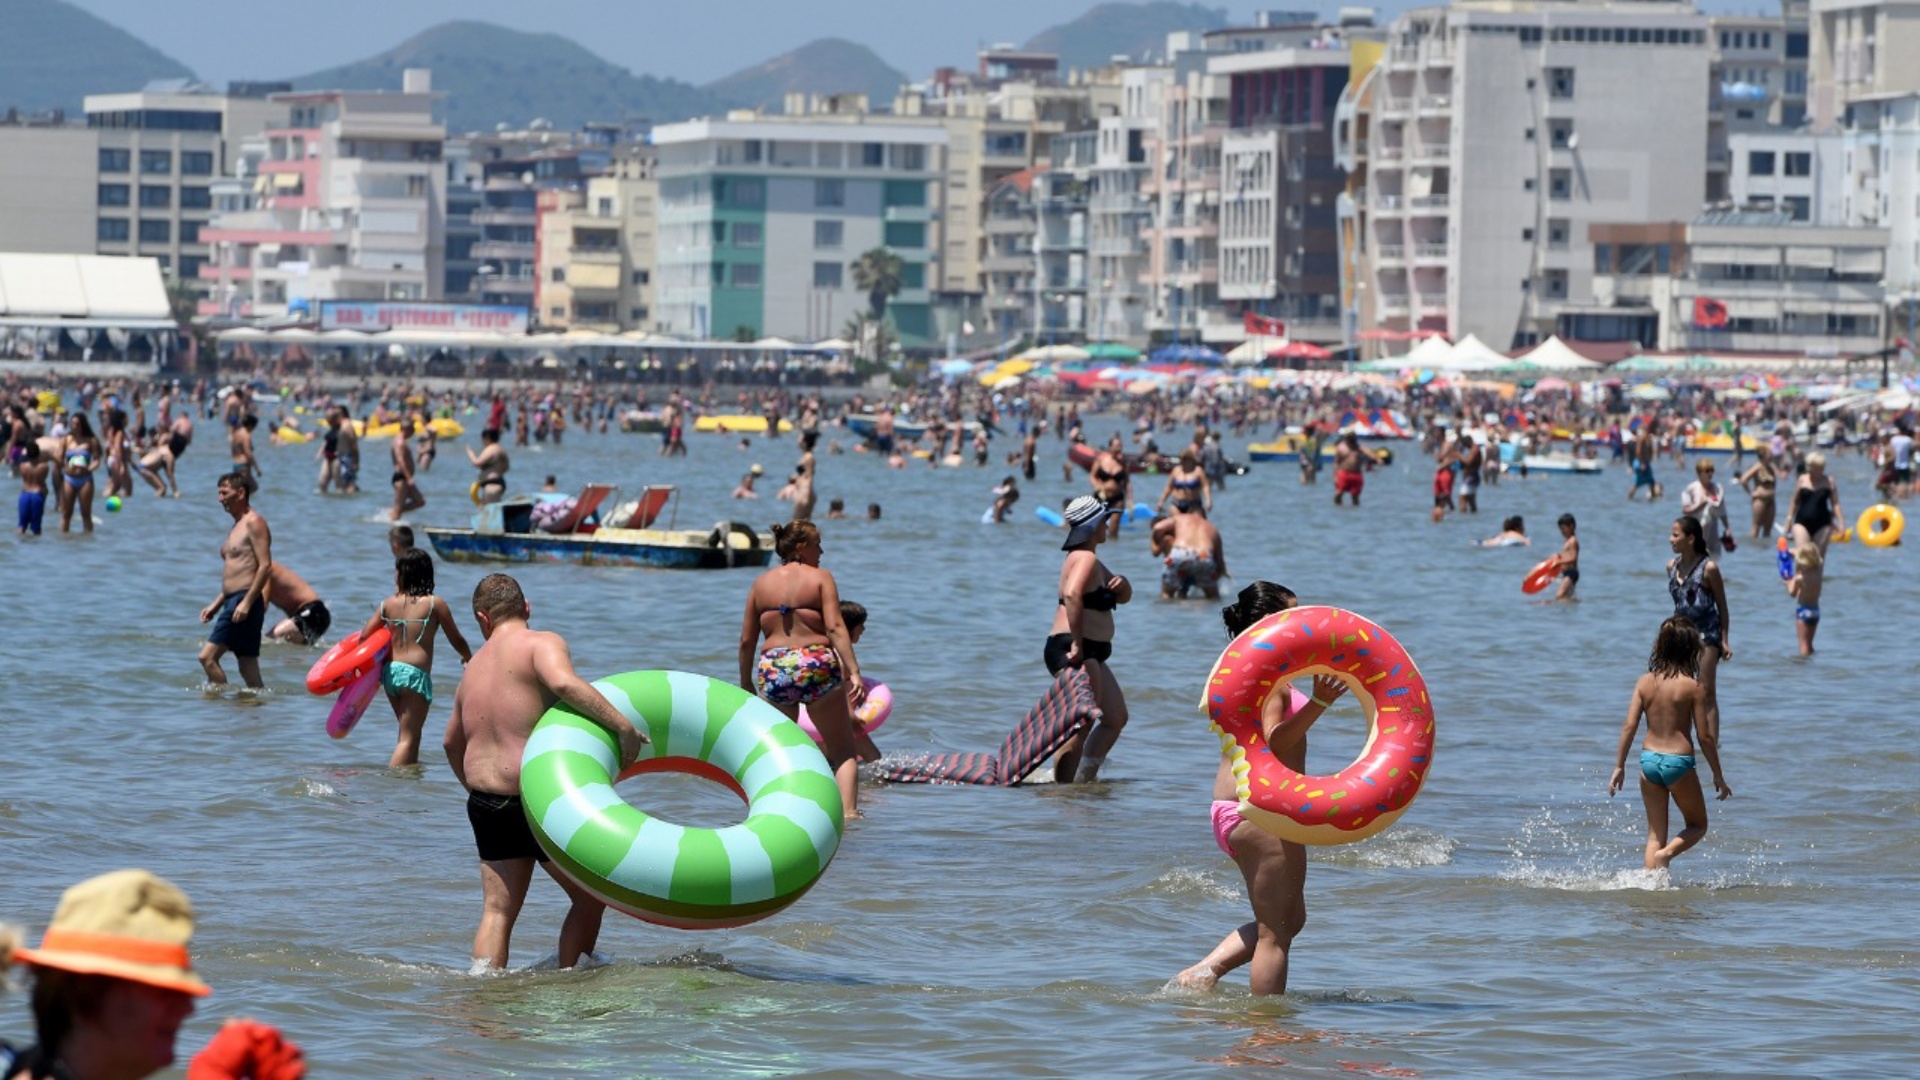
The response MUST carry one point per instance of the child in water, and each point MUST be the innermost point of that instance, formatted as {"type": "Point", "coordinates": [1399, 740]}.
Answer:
{"type": "Point", "coordinates": [1671, 699]}
{"type": "Point", "coordinates": [855, 617]}
{"type": "Point", "coordinates": [1569, 558]}
{"type": "Point", "coordinates": [412, 614]}
{"type": "Point", "coordinates": [1513, 533]}
{"type": "Point", "coordinates": [1275, 869]}
{"type": "Point", "coordinates": [1809, 570]}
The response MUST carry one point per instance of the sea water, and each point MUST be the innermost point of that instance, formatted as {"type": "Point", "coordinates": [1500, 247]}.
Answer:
{"type": "Point", "coordinates": [1503, 927]}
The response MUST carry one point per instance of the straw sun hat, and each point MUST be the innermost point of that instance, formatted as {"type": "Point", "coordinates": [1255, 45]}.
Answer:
{"type": "Point", "coordinates": [128, 925]}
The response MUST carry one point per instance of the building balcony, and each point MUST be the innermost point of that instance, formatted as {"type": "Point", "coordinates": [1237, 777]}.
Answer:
{"type": "Point", "coordinates": [1389, 253]}
{"type": "Point", "coordinates": [504, 217]}
{"type": "Point", "coordinates": [1430, 202]}
{"type": "Point", "coordinates": [1396, 106]}
{"type": "Point", "coordinates": [500, 249]}
{"type": "Point", "coordinates": [1432, 152]}
{"type": "Point", "coordinates": [1009, 226]}
{"type": "Point", "coordinates": [1432, 305]}
{"type": "Point", "coordinates": [907, 213]}
{"type": "Point", "coordinates": [1117, 246]}
{"type": "Point", "coordinates": [1008, 264]}
{"type": "Point", "coordinates": [1392, 303]}
{"type": "Point", "coordinates": [1436, 103]}
{"type": "Point", "coordinates": [594, 256]}
{"type": "Point", "coordinates": [1430, 252]}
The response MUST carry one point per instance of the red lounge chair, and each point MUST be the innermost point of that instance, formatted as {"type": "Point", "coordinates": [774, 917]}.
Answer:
{"type": "Point", "coordinates": [583, 508]}
{"type": "Point", "coordinates": [653, 499]}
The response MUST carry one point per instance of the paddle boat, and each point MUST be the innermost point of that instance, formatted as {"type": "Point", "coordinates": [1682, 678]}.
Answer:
{"type": "Point", "coordinates": [1287, 448]}
{"type": "Point", "coordinates": [523, 529]}
{"type": "Point", "coordinates": [1722, 444]}
{"type": "Point", "coordinates": [737, 424]}
{"type": "Point", "coordinates": [866, 425]}
{"type": "Point", "coordinates": [1557, 463]}
{"type": "Point", "coordinates": [643, 421]}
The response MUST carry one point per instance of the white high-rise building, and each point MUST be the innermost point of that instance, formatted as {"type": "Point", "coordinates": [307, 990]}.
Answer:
{"type": "Point", "coordinates": [1497, 132]}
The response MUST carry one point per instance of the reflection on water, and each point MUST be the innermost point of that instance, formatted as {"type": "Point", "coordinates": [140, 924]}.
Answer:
{"type": "Point", "coordinates": [966, 932]}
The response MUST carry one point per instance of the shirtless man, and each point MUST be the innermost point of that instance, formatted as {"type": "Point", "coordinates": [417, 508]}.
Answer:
{"type": "Point", "coordinates": [1350, 466]}
{"type": "Point", "coordinates": [514, 678]}
{"type": "Point", "coordinates": [406, 494]}
{"type": "Point", "coordinates": [1640, 454]}
{"type": "Point", "coordinates": [240, 610]}
{"type": "Point", "coordinates": [348, 471]}
{"type": "Point", "coordinates": [492, 463]}
{"type": "Point", "coordinates": [1196, 557]}
{"type": "Point", "coordinates": [307, 615]}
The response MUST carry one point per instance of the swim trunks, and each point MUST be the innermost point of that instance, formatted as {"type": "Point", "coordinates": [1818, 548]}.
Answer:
{"type": "Point", "coordinates": [1189, 569]}
{"type": "Point", "coordinates": [1055, 654]}
{"type": "Point", "coordinates": [1642, 476]}
{"type": "Point", "coordinates": [312, 620]}
{"type": "Point", "coordinates": [500, 829]}
{"type": "Point", "coordinates": [240, 638]}
{"type": "Point", "coordinates": [33, 509]}
{"type": "Point", "coordinates": [1348, 483]}
{"type": "Point", "coordinates": [795, 676]}
{"type": "Point", "coordinates": [400, 675]}
{"type": "Point", "coordinates": [1571, 574]}
{"type": "Point", "coordinates": [1807, 613]}
{"type": "Point", "coordinates": [1226, 814]}
{"type": "Point", "coordinates": [1665, 770]}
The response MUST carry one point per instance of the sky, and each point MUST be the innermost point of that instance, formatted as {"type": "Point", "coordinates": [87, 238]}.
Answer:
{"type": "Point", "coordinates": [696, 41]}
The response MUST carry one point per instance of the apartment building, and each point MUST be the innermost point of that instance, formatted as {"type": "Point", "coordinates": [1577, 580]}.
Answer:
{"type": "Point", "coordinates": [1182, 187]}
{"type": "Point", "coordinates": [1736, 281]}
{"type": "Point", "coordinates": [348, 203]}
{"type": "Point", "coordinates": [1880, 159]}
{"type": "Point", "coordinates": [596, 250]}
{"type": "Point", "coordinates": [49, 171]}
{"type": "Point", "coordinates": [761, 220]}
{"type": "Point", "coordinates": [1279, 239]}
{"type": "Point", "coordinates": [1496, 133]}
{"type": "Point", "coordinates": [1010, 267]}
{"type": "Point", "coordinates": [1796, 171]}
{"type": "Point", "coordinates": [1118, 210]}
{"type": "Point", "coordinates": [1859, 48]}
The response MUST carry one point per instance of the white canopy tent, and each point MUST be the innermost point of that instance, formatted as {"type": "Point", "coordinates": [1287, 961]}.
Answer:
{"type": "Point", "coordinates": [1470, 354]}
{"type": "Point", "coordinates": [1556, 355]}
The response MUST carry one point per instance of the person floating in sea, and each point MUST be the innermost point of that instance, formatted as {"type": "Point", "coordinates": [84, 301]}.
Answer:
{"type": "Point", "coordinates": [1275, 870]}
{"type": "Point", "coordinates": [1513, 533]}
{"type": "Point", "coordinates": [1004, 496]}
{"type": "Point", "coordinates": [745, 488]}
{"type": "Point", "coordinates": [246, 561]}
{"type": "Point", "coordinates": [1675, 707]}
{"type": "Point", "coordinates": [512, 680]}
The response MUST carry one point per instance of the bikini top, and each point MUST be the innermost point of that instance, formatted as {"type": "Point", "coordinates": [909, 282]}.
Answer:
{"type": "Point", "coordinates": [1100, 599]}
{"type": "Point", "coordinates": [1103, 474]}
{"type": "Point", "coordinates": [398, 626]}
{"type": "Point", "coordinates": [1195, 484]}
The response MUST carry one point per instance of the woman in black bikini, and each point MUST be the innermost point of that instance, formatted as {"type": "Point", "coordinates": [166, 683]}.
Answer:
{"type": "Point", "coordinates": [1082, 637]}
{"type": "Point", "coordinates": [1112, 483]}
{"type": "Point", "coordinates": [1760, 480]}
{"type": "Point", "coordinates": [1187, 486]}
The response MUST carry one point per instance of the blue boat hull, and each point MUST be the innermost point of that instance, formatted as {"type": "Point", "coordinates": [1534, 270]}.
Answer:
{"type": "Point", "coordinates": [695, 553]}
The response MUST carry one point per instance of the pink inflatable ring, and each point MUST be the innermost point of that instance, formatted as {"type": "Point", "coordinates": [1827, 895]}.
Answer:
{"type": "Point", "coordinates": [868, 717]}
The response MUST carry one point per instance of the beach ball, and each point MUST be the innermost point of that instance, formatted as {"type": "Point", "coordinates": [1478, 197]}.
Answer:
{"type": "Point", "coordinates": [113, 503]}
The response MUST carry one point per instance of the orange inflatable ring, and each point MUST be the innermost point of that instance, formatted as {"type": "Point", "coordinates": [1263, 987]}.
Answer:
{"type": "Point", "coordinates": [1541, 576]}
{"type": "Point", "coordinates": [1366, 796]}
{"type": "Point", "coordinates": [1880, 525]}
{"type": "Point", "coordinates": [347, 661]}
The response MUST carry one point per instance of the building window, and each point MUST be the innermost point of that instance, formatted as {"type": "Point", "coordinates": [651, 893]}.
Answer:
{"type": "Point", "coordinates": [113, 195]}
{"type": "Point", "coordinates": [1603, 258]}
{"type": "Point", "coordinates": [1797, 164]}
{"type": "Point", "coordinates": [557, 275]}
{"type": "Point", "coordinates": [751, 152]}
{"type": "Point", "coordinates": [828, 275]}
{"type": "Point", "coordinates": [156, 161]}
{"type": "Point", "coordinates": [1529, 135]}
{"type": "Point", "coordinates": [113, 229]}
{"type": "Point", "coordinates": [115, 160]}
{"type": "Point", "coordinates": [1553, 285]}
{"type": "Point", "coordinates": [195, 198]}
{"type": "Point", "coordinates": [157, 196]}
{"type": "Point", "coordinates": [190, 265]}
{"type": "Point", "coordinates": [196, 162]}
{"type": "Point", "coordinates": [637, 315]}
{"type": "Point", "coordinates": [190, 231]}
{"type": "Point", "coordinates": [1760, 163]}
{"type": "Point", "coordinates": [1527, 235]}
{"type": "Point", "coordinates": [746, 275]}
{"type": "Point", "coordinates": [905, 234]}
{"type": "Point", "coordinates": [1527, 184]}
{"type": "Point", "coordinates": [1558, 230]}
{"type": "Point", "coordinates": [829, 193]}
{"type": "Point", "coordinates": [1561, 133]}
{"type": "Point", "coordinates": [1560, 184]}
{"type": "Point", "coordinates": [641, 277]}
{"type": "Point", "coordinates": [913, 158]}
{"type": "Point", "coordinates": [1560, 83]}
{"type": "Point", "coordinates": [558, 313]}
{"type": "Point", "coordinates": [873, 155]}
{"type": "Point", "coordinates": [746, 234]}
{"type": "Point", "coordinates": [1799, 205]}
{"type": "Point", "coordinates": [913, 275]}
{"type": "Point", "coordinates": [828, 234]}
{"type": "Point", "coordinates": [156, 232]}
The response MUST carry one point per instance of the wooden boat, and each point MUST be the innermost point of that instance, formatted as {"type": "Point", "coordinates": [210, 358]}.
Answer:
{"type": "Point", "coordinates": [645, 422]}
{"type": "Point", "coordinates": [866, 426]}
{"type": "Point", "coordinates": [1287, 448]}
{"type": "Point", "coordinates": [506, 532]}
{"type": "Point", "coordinates": [738, 424]}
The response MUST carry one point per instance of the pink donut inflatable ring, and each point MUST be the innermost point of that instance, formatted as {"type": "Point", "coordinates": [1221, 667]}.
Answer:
{"type": "Point", "coordinates": [869, 716]}
{"type": "Point", "coordinates": [1366, 796]}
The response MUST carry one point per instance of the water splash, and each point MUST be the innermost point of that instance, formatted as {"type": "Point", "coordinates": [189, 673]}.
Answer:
{"type": "Point", "coordinates": [1183, 883]}
{"type": "Point", "coordinates": [1403, 847]}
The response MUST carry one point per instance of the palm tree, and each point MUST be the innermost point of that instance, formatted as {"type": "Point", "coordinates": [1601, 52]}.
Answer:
{"type": "Point", "coordinates": [878, 274]}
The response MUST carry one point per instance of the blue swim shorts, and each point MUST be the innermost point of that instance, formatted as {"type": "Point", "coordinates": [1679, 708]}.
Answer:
{"type": "Point", "coordinates": [404, 676]}
{"type": "Point", "coordinates": [1807, 613]}
{"type": "Point", "coordinates": [241, 637]}
{"type": "Point", "coordinates": [1665, 769]}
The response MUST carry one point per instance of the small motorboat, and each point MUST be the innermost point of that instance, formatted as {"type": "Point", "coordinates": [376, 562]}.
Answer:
{"type": "Point", "coordinates": [530, 529]}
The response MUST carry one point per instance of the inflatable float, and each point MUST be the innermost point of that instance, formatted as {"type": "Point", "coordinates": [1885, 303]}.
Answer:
{"type": "Point", "coordinates": [1067, 706]}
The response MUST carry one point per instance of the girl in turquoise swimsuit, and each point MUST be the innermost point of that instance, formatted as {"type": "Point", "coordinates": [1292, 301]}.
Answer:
{"type": "Point", "coordinates": [1675, 705]}
{"type": "Point", "coordinates": [412, 614]}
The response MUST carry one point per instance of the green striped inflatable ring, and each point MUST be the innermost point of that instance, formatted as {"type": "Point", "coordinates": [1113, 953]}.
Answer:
{"type": "Point", "coordinates": [690, 878]}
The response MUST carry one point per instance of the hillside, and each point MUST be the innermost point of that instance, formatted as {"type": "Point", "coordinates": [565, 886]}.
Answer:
{"type": "Point", "coordinates": [826, 66]}
{"type": "Point", "coordinates": [494, 75]}
{"type": "Point", "coordinates": [1110, 30]}
{"type": "Point", "coordinates": [56, 54]}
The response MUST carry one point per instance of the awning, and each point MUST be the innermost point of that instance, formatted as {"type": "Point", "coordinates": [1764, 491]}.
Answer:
{"type": "Point", "coordinates": [286, 181]}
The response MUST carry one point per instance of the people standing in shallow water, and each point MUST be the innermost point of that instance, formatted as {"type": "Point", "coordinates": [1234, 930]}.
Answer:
{"type": "Point", "coordinates": [514, 678]}
{"type": "Point", "coordinates": [1082, 637]}
{"type": "Point", "coordinates": [1700, 596]}
{"type": "Point", "coordinates": [492, 464]}
{"type": "Point", "coordinates": [1675, 707]}
{"type": "Point", "coordinates": [240, 612]}
{"type": "Point", "coordinates": [794, 650]}
{"type": "Point", "coordinates": [406, 492]}
{"type": "Point", "coordinates": [1816, 502]}
{"type": "Point", "coordinates": [1275, 870]}
{"type": "Point", "coordinates": [1569, 559]}
{"type": "Point", "coordinates": [412, 615]}
{"type": "Point", "coordinates": [80, 456]}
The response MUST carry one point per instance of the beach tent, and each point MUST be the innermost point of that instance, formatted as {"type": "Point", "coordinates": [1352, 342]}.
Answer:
{"type": "Point", "coordinates": [1556, 355]}
{"type": "Point", "coordinates": [1055, 354]}
{"type": "Point", "coordinates": [1112, 351]}
{"type": "Point", "coordinates": [1253, 350]}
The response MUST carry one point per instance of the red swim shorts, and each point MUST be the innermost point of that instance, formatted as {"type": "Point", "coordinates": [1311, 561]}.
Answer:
{"type": "Point", "coordinates": [1348, 483]}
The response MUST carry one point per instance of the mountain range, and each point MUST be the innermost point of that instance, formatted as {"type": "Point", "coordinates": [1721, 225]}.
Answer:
{"type": "Point", "coordinates": [493, 75]}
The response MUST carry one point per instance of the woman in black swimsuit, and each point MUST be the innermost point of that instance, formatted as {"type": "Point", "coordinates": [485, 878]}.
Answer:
{"type": "Point", "coordinates": [1082, 636]}
{"type": "Point", "coordinates": [1816, 502]}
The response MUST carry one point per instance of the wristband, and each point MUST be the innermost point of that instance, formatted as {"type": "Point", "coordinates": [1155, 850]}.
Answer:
{"type": "Point", "coordinates": [1322, 704]}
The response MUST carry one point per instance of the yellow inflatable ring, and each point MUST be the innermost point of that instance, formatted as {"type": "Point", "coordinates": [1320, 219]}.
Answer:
{"type": "Point", "coordinates": [1880, 525]}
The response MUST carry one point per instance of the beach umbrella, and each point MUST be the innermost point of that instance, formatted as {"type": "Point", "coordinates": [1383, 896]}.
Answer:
{"type": "Point", "coordinates": [1054, 354]}
{"type": "Point", "coordinates": [1109, 350]}
{"type": "Point", "coordinates": [1299, 350]}
{"type": "Point", "coordinates": [1650, 392]}
{"type": "Point", "coordinates": [1006, 382]}
{"type": "Point", "coordinates": [1550, 384]}
{"type": "Point", "coordinates": [955, 366]}
{"type": "Point", "coordinates": [1186, 354]}
{"type": "Point", "coordinates": [1142, 386]}
{"type": "Point", "coordinates": [1019, 365]}
{"type": "Point", "coordinates": [1113, 373]}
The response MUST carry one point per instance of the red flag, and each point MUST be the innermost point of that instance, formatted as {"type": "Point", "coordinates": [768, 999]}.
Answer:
{"type": "Point", "coordinates": [1709, 314]}
{"type": "Point", "coordinates": [1260, 324]}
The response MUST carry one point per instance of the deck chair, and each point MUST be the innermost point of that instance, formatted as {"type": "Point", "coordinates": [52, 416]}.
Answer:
{"type": "Point", "coordinates": [653, 499]}
{"type": "Point", "coordinates": [1068, 706]}
{"type": "Point", "coordinates": [584, 507]}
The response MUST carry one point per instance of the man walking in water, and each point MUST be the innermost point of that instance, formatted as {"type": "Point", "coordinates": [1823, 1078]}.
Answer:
{"type": "Point", "coordinates": [492, 463]}
{"type": "Point", "coordinates": [515, 677]}
{"type": "Point", "coordinates": [1640, 455]}
{"type": "Point", "coordinates": [239, 612]}
{"type": "Point", "coordinates": [406, 494]}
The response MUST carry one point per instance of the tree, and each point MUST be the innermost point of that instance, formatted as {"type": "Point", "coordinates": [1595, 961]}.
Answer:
{"type": "Point", "coordinates": [878, 274]}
